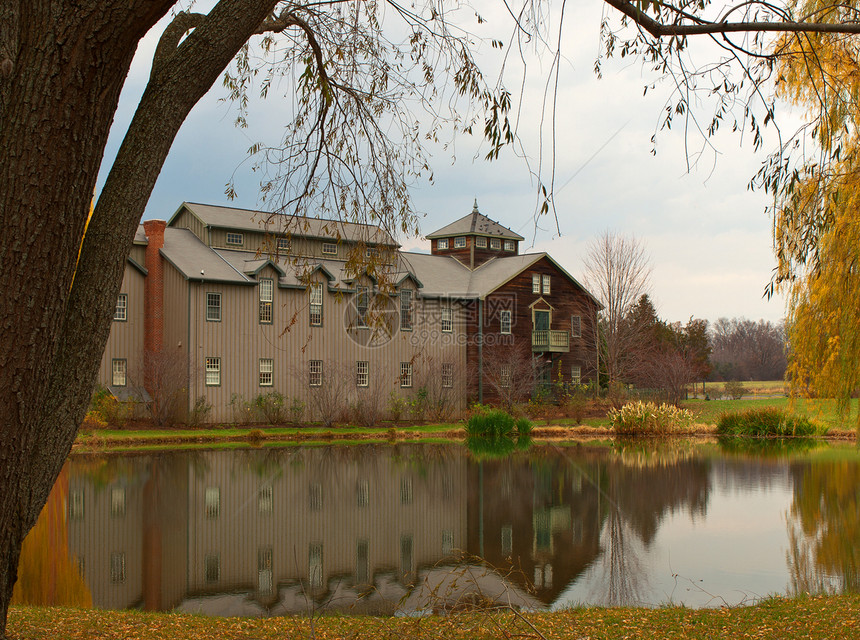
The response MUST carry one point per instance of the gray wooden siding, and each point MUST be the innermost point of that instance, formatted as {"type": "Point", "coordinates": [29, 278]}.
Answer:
{"type": "Point", "coordinates": [138, 254]}
{"type": "Point", "coordinates": [266, 245]}
{"type": "Point", "coordinates": [187, 220]}
{"type": "Point", "coordinates": [335, 521]}
{"type": "Point", "coordinates": [240, 341]}
{"type": "Point", "coordinates": [126, 338]}
{"type": "Point", "coordinates": [176, 339]}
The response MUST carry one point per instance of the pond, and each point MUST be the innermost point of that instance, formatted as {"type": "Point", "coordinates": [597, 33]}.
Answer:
{"type": "Point", "coordinates": [412, 528]}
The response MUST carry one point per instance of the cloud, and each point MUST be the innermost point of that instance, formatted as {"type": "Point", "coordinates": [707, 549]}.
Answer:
{"type": "Point", "coordinates": [707, 235]}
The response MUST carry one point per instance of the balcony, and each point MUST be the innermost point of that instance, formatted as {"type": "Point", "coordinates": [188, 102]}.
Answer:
{"type": "Point", "coordinates": [551, 340]}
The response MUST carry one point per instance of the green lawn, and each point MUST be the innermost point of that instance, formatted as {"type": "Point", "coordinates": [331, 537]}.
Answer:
{"type": "Point", "coordinates": [825, 411]}
{"type": "Point", "coordinates": [812, 618]}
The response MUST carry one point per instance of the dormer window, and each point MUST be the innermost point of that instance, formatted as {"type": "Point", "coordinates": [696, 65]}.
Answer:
{"type": "Point", "coordinates": [235, 239]}
{"type": "Point", "coordinates": [510, 245]}
{"type": "Point", "coordinates": [495, 243]}
{"type": "Point", "coordinates": [442, 243]}
{"type": "Point", "coordinates": [329, 248]}
{"type": "Point", "coordinates": [481, 242]}
{"type": "Point", "coordinates": [459, 242]}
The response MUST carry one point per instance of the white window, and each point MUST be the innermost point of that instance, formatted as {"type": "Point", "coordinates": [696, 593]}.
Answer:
{"type": "Point", "coordinates": [447, 542]}
{"type": "Point", "coordinates": [264, 571]}
{"type": "Point", "coordinates": [119, 372]}
{"type": "Point", "coordinates": [267, 287]}
{"type": "Point", "coordinates": [212, 502]}
{"type": "Point", "coordinates": [362, 493]}
{"type": "Point", "coordinates": [447, 375]}
{"type": "Point", "coordinates": [447, 320]}
{"type": "Point", "coordinates": [406, 310]}
{"type": "Point", "coordinates": [362, 371]}
{"type": "Point", "coordinates": [267, 372]}
{"type": "Point", "coordinates": [536, 283]}
{"type": "Point", "coordinates": [316, 304]}
{"type": "Point", "coordinates": [315, 565]}
{"type": "Point", "coordinates": [405, 374]}
{"type": "Point", "coordinates": [495, 243]}
{"type": "Point", "coordinates": [459, 242]}
{"type": "Point", "coordinates": [265, 500]}
{"type": "Point", "coordinates": [546, 284]}
{"type": "Point", "coordinates": [510, 245]}
{"type": "Point", "coordinates": [442, 243]}
{"type": "Point", "coordinates": [406, 491]}
{"type": "Point", "coordinates": [362, 301]}
{"type": "Point", "coordinates": [505, 321]}
{"type": "Point", "coordinates": [76, 505]}
{"type": "Point", "coordinates": [235, 239]}
{"type": "Point", "coordinates": [329, 248]}
{"type": "Point", "coordinates": [481, 242]}
{"type": "Point", "coordinates": [315, 373]}
{"type": "Point", "coordinates": [406, 554]}
{"type": "Point", "coordinates": [213, 372]}
{"type": "Point", "coordinates": [505, 376]}
{"type": "Point", "coordinates": [575, 327]}
{"type": "Point", "coordinates": [283, 244]}
{"type": "Point", "coordinates": [120, 314]}
{"type": "Point", "coordinates": [576, 374]}
{"type": "Point", "coordinates": [117, 502]}
{"type": "Point", "coordinates": [362, 565]}
{"type": "Point", "coordinates": [213, 307]}
{"type": "Point", "coordinates": [315, 496]}
{"type": "Point", "coordinates": [117, 567]}
{"type": "Point", "coordinates": [507, 540]}
{"type": "Point", "coordinates": [212, 567]}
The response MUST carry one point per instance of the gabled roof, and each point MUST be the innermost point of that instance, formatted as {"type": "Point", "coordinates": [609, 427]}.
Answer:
{"type": "Point", "coordinates": [196, 261]}
{"type": "Point", "coordinates": [267, 222]}
{"type": "Point", "coordinates": [475, 224]}
{"type": "Point", "coordinates": [444, 276]}
{"type": "Point", "coordinates": [253, 267]}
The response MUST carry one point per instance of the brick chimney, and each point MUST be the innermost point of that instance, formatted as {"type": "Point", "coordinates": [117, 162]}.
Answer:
{"type": "Point", "coordinates": [153, 305]}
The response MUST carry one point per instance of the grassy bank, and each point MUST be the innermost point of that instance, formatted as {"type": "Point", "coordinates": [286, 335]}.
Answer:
{"type": "Point", "coordinates": [705, 417]}
{"type": "Point", "coordinates": [808, 617]}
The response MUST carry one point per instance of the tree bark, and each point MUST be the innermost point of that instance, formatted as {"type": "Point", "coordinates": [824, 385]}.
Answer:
{"type": "Point", "coordinates": [61, 73]}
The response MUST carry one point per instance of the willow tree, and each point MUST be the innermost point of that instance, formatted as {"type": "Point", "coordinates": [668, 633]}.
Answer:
{"type": "Point", "coordinates": [817, 228]}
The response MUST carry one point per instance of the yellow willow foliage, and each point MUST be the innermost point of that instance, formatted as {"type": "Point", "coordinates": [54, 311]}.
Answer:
{"type": "Point", "coordinates": [47, 573]}
{"type": "Point", "coordinates": [823, 326]}
{"type": "Point", "coordinates": [821, 71]}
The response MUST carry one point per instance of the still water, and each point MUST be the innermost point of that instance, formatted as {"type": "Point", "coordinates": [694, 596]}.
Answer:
{"type": "Point", "coordinates": [403, 529]}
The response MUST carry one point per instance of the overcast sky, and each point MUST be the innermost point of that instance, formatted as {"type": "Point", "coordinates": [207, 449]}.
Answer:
{"type": "Point", "coordinates": [707, 235]}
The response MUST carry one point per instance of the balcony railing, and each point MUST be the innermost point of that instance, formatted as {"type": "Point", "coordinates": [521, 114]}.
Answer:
{"type": "Point", "coordinates": [551, 340]}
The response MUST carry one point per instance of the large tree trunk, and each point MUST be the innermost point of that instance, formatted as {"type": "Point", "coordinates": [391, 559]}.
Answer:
{"type": "Point", "coordinates": [61, 72]}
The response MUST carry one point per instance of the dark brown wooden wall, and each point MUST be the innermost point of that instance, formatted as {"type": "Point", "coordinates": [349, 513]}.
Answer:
{"type": "Point", "coordinates": [565, 297]}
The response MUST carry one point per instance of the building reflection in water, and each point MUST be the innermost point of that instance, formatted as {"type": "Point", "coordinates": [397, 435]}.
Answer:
{"type": "Point", "coordinates": [370, 528]}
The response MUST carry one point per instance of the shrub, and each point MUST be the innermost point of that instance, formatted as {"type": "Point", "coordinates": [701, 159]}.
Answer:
{"type": "Point", "coordinates": [734, 389]}
{"type": "Point", "coordinates": [396, 406]}
{"type": "Point", "coordinates": [297, 410]}
{"type": "Point", "coordinates": [200, 412]}
{"type": "Point", "coordinates": [496, 423]}
{"type": "Point", "coordinates": [574, 402]}
{"type": "Point", "coordinates": [92, 421]}
{"type": "Point", "coordinates": [108, 409]}
{"type": "Point", "coordinates": [271, 407]}
{"type": "Point", "coordinates": [768, 421]}
{"type": "Point", "coordinates": [240, 409]}
{"type": "Point", "coordinates": [636, 418]}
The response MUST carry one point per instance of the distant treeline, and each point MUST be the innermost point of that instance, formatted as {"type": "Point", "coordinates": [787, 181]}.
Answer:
{"type": "Point", "coordinates": [744, 349]}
